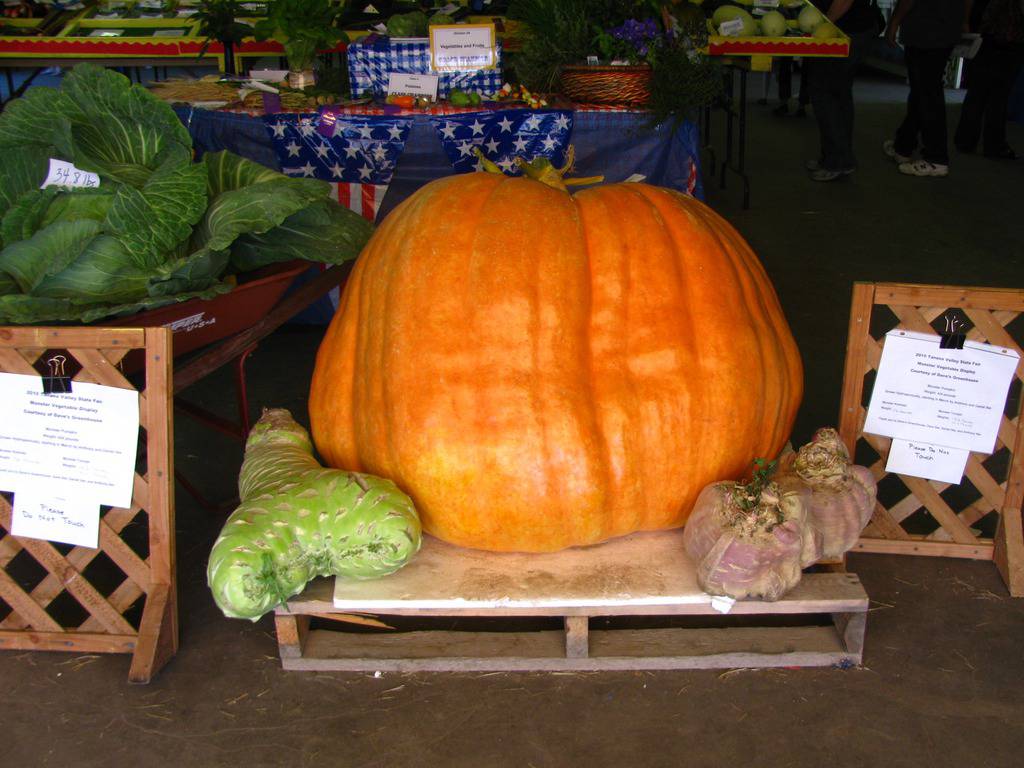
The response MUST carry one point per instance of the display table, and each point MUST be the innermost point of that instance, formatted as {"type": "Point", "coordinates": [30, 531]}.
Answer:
{"type": "Point", "coordinates": [615, 144]}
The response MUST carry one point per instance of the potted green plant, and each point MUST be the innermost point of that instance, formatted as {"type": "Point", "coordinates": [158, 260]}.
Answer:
{"type": "Point", "coordinates": [218, 20]}
{"type": "Point", "coordinates": [303, 27]}
{"type": "Point", "coordinates": [637, 53]}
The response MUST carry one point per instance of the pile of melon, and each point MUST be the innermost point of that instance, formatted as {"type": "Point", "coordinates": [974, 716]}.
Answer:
{"type": "Point", "coordinates": [740, 18]}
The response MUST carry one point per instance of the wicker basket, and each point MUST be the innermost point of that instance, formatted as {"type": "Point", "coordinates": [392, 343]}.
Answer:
{"type": "Point", "coordinates": [621, 86]}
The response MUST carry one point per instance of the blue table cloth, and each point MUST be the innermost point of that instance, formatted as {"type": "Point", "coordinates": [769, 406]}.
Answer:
{"type": "Point", "coordinates": [616, 145]}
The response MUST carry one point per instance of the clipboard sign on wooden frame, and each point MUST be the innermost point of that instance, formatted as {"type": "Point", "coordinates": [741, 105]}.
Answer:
{"type": "Point", "coordinates": [993, 484]}
{"type": "Point", "coordinates": [148, 577]}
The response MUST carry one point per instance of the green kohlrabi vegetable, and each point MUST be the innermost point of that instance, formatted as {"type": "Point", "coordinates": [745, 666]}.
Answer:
{"type": "Point", "coordinates": [298, 520]}
{"type": "Point", "coordinates": [440, 18]}
{"type": "Point", "coordinates": [412, 24]}
{"type": "Point", "coordinates": [159, 228]}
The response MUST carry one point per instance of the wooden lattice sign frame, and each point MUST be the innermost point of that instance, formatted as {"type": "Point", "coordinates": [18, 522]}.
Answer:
{"type": "Point", "coordinates": [125, 589]}
{"type": "Point", "coordinates": [980, 518]}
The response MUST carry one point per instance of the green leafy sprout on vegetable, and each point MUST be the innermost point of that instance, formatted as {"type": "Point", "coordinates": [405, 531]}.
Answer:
{"type": "Point", "coordinates": [758, 504]}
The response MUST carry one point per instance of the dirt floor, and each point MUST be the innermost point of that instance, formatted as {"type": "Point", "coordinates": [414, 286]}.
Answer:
{"type": "Point", "coordinates": [941, 681]}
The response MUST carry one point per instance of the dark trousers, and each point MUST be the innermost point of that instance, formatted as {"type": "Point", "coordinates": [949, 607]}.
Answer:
{"type": "Point", "coordinates": [990, 78]}
{"type": "Point", "coordinates": [926, 105]}
{"type": "Point", "coordinates": [831, 83]}
{"type": "Point", "coordinates": [786, 65]}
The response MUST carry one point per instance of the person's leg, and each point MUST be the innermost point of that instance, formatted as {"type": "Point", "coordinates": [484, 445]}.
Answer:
{"type": "Point", "coordinates": [1006, 66]}
{"type": "Point", "coordinates": [932, 106]}
{"type": "Point", "coordinates": [785, 78]}
{"type": "Point", "coordinates": [804, 94]}
{"type": "Point", "coordinates": [846, 70]}
{"type": "Point", "coordinates": [906, 138]}
{"type": "Point", "coordinates": [979, 84]}
{"type": "Point", "coordinates": [827, 112]}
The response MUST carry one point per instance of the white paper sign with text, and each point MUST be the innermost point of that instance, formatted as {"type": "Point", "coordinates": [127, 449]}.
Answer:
{"type": "Point", "coordinates": [950, 397]}
{"type": "Point", "coordinates": [932, 462]}
{"type": "Point", "coordinates": [731, 28]}
{"type": "Point", "coordinates": [56, 519]}
{"type": "Point", "coordinates": [400, 84]}
{"type": "Point", "coordinates": [78, 446]}
{"type": "Point", "coordinates": [462, 47]}
{"type": "Point", "coordinates": [63, 174]}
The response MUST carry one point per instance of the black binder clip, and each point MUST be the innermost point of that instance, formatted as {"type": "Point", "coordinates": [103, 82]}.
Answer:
{"type": "Point", "coordinates": [955, 334]}
{"type": "Point", "coordinates": [57, 382]}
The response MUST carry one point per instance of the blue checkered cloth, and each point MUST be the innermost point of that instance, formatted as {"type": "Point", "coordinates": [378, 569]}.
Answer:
{"type": "Point", "coordinates": [504, 135]}
{"type": "Point", "coordinates": [330, 147]}
{"type": "Point", "coordinates": [372, 60]}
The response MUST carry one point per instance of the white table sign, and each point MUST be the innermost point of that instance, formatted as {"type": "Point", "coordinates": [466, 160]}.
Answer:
{"type": "Point", "coordinates": [79, 446]}
{"type": "Point", "coordinates": [932, 462]}
{"type": "Point", "coordinates": [462, 47]}
{"type": "Point", "coordinates": [56, 519]}
{"type": "Point", "coordinates": [268, 75]}
{"type": "Point", "coordinates": [949, 397]}
{"type": "Point", "coordinates": [412, 85]}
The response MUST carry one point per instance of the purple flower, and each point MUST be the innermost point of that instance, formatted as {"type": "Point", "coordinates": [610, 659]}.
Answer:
{"type": "Point", "coordinates": [640, 36]}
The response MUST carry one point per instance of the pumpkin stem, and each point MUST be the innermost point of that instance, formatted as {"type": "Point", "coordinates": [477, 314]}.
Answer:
{"type": "Point", "coordinates": [488, 165]}
{"type": "Point", "coordinates": [541, 169]}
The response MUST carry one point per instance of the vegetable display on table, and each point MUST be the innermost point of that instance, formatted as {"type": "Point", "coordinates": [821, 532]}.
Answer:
{"type": "Point", "coordinates": [546, 370]}
{"type": "Point", "coordinates": [298, 520]}
{"type": "Point", "coordinates": [158, 228]}
{"type": "Point", "coordinates": [752, 540]}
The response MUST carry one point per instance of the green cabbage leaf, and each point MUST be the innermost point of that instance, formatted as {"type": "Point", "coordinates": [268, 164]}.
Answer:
{"type": "Point", "coordinates": [160, 227]}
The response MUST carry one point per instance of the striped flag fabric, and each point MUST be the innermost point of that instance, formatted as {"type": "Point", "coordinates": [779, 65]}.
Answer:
{"type": "Point", "coordinates": [364, 199]}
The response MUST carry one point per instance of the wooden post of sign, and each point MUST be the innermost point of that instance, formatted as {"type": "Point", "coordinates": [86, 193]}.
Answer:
{"type": "Point", "coordinates": [999, 485]}
{"type": "Point", "coordinates": [149, 577]}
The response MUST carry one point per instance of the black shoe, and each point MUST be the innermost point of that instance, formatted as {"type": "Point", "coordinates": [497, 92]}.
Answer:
{"type": "Point", "coordinates": [1004, 153]}
{"type": "Point", "coordinates": [824, 174]}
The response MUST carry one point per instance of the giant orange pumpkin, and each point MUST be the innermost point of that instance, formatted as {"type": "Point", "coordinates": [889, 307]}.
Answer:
{"type": "Point", "coordinates": [541, 370]}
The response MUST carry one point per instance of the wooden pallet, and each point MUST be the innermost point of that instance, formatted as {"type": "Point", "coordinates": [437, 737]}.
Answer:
{"type": "Point", "coordinates": [32, 620]}
{"type": "Point", "coordinates": [924, 517]}
{"type": "Point", "coordinates": [644, 577]}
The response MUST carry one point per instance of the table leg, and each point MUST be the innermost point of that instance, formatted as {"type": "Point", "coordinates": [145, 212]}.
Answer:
{"type": "Point", "coordinates": [242, 391]}
{"type": "Point", "coordinates": [705, 135]}
{"type": "Point", "coordinates": [727, 160]}
{"type": "Point", "coordinates": [738, 113]}
{"type": "Point", "coordinates": [742, 149]}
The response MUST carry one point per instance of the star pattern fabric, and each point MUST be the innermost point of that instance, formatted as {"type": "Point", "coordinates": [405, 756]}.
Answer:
{"type": "Point", "coordinates": [361, 149]}
{"type": "Point", "coordinates": [504, 136]}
